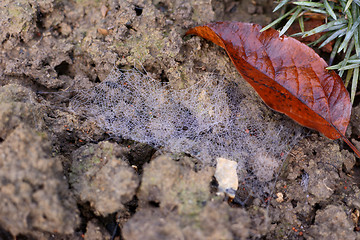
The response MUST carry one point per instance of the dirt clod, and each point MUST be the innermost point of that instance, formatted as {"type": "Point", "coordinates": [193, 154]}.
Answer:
{"type": "Point", "coordinates": [332, 222]}
{"type": "Point", "coordinates": [100, 175]}
{"type": "Point", "coordinates": [34, 194]}
{"type": "Point", "coordinates": [174, 191]}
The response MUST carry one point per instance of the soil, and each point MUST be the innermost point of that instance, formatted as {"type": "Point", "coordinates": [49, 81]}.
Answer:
{"type": "Point", "coordinates": [63, 177]}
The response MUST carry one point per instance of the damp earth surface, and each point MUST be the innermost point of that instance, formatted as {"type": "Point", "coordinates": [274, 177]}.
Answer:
{"type": "Point", "coordinates": [64, 176]}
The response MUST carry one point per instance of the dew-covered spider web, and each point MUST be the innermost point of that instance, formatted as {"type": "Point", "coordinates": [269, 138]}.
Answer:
{"type": "Point", "coordinates": [212, 118]}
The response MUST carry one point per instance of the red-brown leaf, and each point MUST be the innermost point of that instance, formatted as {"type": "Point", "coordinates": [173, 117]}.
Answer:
{"type": "Point", "coordinates": [288, 75]}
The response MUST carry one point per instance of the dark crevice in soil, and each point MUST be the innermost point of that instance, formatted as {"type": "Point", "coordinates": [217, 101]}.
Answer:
{"type": "Point", "coordinates": [138, 10]}
{"type": "Point", "coordinates": [314, 152]}
{"type": "Point", "coordinates": [214, 185]}
{"type": "Point", "coordinates": [132, 205]}
{"type": "Point", "coordinates": [39, 20]}
{"type": "Point", "coordinates": [85, 215]}
{"type": "Point", "coordinates": [154, 204]}
{"type": "Point", "coordinates": [97, 79]}
{"type": "Point", "coordinates": [113, 223]}
{"type": "Point", "coordinates": [24, 237]}
{"type": "Point", "coordinates": [316, 207]}
{"type": "Point", "coordinates": [109, 222]}
{"type": "Point", "coordinates": [140, 154]}
{"type": "Point", "coordinates": [163, 77]}
{"type": "Point", "coordinates": [5, 235]}
{"type": "Point", "coordinates": [63, 68]}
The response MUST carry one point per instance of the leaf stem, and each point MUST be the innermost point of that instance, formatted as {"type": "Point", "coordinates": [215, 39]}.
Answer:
{"type": "Point", "coordinates": [357, 152]}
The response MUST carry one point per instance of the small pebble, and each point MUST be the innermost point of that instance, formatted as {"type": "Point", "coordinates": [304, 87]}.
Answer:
{"type": "Point", "coordinates": [103, 31]}
{"type": "Point", "coordinates": [280, 197]}
{"type": "Point", "coordinates": [226, 176]}
{"type": "Point", "coordinates": [104, 10]}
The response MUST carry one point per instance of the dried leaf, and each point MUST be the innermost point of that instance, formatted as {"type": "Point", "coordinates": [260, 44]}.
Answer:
{"type": "Point", "coordinates": [288, 75]}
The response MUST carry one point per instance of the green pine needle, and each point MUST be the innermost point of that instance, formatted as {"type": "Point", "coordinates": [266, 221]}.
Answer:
{"type": "Point", "coordinates": [291, 20]}
{"type": "Point", "coordinates": [329, 9]}
{"type": "Point", "coordinates": [354, 84]}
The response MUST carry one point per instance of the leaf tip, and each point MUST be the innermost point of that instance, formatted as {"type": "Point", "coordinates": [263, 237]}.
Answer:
{"type": "Point", "coordinates": [191, 31]}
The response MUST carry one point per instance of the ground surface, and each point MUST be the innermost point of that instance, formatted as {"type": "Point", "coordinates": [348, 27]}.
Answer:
{"type": "Point", "coordinates": [63, 177]}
